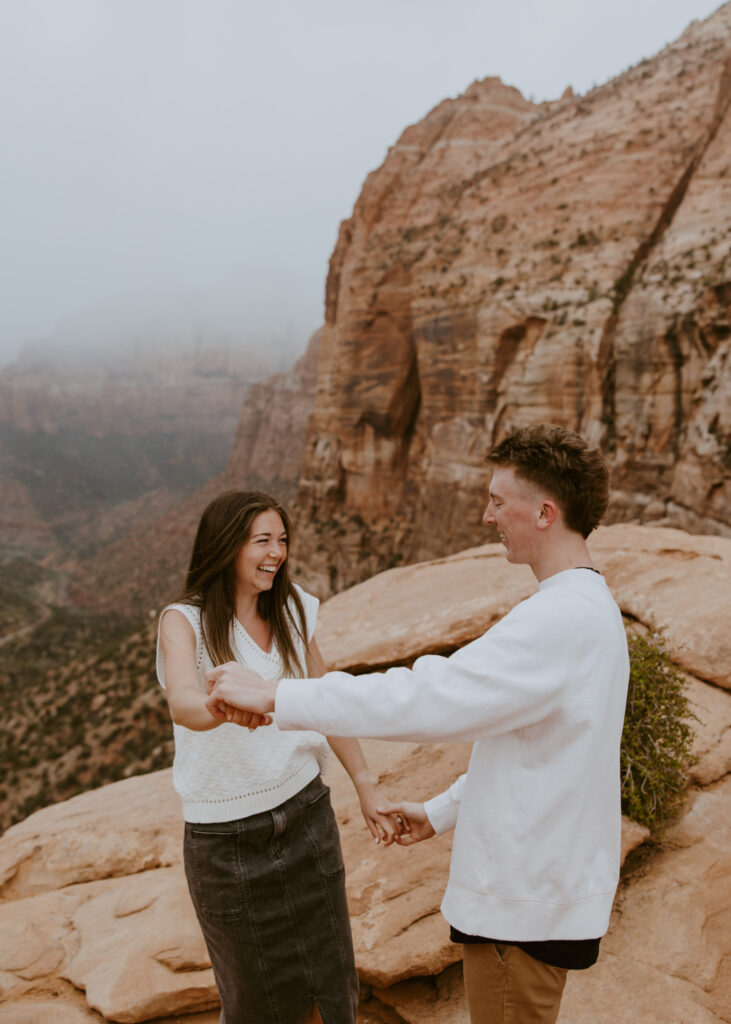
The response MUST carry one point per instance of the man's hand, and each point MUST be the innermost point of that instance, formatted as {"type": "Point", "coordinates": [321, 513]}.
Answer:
{"type": "Point", "coordinates": [419, 826]}
{"type": "Point", "coordinates": [385, 828]}
{"type": "Point", "coordinates": [233, 686]}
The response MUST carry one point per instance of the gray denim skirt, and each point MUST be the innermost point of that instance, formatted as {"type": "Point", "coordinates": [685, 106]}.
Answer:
{"type": "Point", "coordinates": [269, 894]}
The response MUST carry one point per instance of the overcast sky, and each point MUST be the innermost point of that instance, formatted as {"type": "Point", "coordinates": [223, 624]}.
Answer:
{"type": "Point", "coordinates": [208, 149]}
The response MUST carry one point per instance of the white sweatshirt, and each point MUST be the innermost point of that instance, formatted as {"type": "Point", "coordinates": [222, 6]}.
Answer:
{"type": "Point", "coordinates": [537, 843]}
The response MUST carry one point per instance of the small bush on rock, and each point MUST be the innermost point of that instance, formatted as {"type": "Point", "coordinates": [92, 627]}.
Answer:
{"type": "Point", "coordinates": [657, 738]}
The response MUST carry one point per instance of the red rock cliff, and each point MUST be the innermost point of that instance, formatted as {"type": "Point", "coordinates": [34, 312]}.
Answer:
{"type": "Point", "coordinates": [511, 263]}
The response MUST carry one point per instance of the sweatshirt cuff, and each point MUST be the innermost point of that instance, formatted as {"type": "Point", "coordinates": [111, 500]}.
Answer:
{"type": "Point", "coordinates": [291, 706]}
{"type": "Point", "coordinates": [441, 812]}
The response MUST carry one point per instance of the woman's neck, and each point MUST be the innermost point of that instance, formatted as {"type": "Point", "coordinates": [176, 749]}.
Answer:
{"type": "Point", "coordinates": [247, 609]}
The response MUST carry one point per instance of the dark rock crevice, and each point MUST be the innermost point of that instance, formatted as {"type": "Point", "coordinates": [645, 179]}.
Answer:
{"type": "Point", "coordinates": [623, 284]}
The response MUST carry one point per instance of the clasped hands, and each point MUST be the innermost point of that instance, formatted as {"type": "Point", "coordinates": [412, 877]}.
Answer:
{"type": "Point", "coordinates": [240, 696]}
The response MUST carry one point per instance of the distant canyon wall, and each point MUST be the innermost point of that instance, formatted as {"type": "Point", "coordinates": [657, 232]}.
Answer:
{"type": "Point", "coordinates": [511, 263]}
{"type": "Point", "coordinates": [93, 442]}
{"type": "Point", "coordinates": [269, 446]}
{"type": "Point", "coordinates": [146, 566]}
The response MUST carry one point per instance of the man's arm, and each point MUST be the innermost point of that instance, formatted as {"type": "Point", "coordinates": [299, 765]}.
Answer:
{"type": "Point", "coordinates": [508, 679]}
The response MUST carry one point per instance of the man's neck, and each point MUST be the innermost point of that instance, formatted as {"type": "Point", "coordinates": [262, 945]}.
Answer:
{"type": "Point", "coordinates": [569, 552]}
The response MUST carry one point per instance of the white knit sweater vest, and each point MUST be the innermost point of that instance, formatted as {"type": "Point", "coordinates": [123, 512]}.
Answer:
{"type": "Point", "coordinates": [228, 772]}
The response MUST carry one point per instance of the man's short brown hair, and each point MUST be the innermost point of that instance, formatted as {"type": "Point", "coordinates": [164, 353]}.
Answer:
{"type": "Point", "coordinates": [562, 463]}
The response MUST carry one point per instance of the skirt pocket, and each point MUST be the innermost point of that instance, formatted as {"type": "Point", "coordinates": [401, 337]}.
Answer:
{"type": "Point", "coordinates": [322, 829]}
{"type": "Point", "coordinates": [214, 872]}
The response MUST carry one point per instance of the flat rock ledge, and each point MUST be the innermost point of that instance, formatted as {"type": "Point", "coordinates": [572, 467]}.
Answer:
{"type": "Point", "coordinates": [95, 920]}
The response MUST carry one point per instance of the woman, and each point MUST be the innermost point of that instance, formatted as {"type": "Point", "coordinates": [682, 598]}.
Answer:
{"type": "Point", "coordinates": [262, 852]}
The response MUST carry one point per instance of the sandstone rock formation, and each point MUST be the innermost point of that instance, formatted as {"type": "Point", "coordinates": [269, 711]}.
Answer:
{"type": "Point", "coordinates": [378, 623]}
{"type": "Point", "coordinates": [511, 263]}
{"type": "Point", "coordinates": [95, 924]}
{"type": "Point", "coordinates": [268, 449]}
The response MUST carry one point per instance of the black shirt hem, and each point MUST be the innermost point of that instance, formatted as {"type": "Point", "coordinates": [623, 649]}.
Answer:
{"type": "Point", "coordinates": [571, 954]}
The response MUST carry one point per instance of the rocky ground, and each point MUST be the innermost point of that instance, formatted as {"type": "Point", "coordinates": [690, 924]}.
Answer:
{"type": "Point", "coordinates": [95, 922]}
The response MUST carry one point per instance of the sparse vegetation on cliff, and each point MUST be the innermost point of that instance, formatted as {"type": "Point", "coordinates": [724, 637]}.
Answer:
{"type": "Point", "coordinates": [82, 708]}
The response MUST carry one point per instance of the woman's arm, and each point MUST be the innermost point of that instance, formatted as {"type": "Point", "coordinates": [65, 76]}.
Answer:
{"type": "Point", "coordinates": [348, 751]}
{"type": "Point", "coordinates": [182, 688]}
{"type": "Point", "coordinates": [185, 698]}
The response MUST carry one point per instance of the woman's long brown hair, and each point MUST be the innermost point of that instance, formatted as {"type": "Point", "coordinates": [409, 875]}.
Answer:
{"type": "Point", "coordinates": [210, 583]}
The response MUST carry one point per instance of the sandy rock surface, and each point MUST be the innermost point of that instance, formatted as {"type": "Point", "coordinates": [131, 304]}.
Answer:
{"type": "Point", "coordinates": [677, 582]}
{"type": "Point", "coordinates": [674, 919]}
{"type": "Point", "coordinates": [663, 577]}
{"type": "Point", "coordinates": [46, 1011]}
{"type": "Point", "coordinates": [665, 957]}
{"type": "Point", "coordinates": [93, 903]}
{"type": "Point", "coordinates": [378, 622]}
{"type": "Point", "coordinates": [87, 837]}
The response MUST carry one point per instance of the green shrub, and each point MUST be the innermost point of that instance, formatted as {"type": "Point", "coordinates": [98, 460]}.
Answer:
{"type": "Point", "coordinates": [657, 737]}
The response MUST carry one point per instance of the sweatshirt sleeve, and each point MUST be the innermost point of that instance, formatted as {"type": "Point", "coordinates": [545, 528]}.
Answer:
{"type": "Point", "coordinates": [442, 810]}
{"type": "Point", "coordinates": [509, 678]}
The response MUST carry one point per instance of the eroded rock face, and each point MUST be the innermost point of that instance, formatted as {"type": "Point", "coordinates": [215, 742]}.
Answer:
{"type": "Point", "coordinates": [512, 263]}
{"type": "Point", "coordinates": [270, 437]}
{"type": "Point", "coordinates": [93, 902]}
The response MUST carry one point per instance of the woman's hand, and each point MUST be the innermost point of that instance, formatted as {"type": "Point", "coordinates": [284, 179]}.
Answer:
{"type": "Point", "coordinates": [419, 825]}
{"type": "Point", "coordinates": [228, 713]}
{"type": "Point", "coordinates": [385, 827]}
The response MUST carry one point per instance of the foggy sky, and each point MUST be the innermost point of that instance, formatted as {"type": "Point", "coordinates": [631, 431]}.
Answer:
{"type": "Point", "coordinates": [209, 148]}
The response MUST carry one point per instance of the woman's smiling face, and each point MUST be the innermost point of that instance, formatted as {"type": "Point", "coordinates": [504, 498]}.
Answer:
{"type": "Point", "coordinates": [262, 554]}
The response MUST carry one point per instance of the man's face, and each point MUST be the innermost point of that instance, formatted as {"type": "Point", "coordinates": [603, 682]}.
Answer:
{"type": "Point", "coordinates": [514, 507]}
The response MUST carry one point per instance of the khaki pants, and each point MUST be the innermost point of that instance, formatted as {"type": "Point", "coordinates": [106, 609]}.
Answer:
{"type": "Point", "coordinates": [504, 985]}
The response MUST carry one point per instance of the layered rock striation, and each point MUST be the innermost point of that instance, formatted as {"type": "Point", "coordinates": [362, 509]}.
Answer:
{"type": "Point", "coordinates": [511, 263]}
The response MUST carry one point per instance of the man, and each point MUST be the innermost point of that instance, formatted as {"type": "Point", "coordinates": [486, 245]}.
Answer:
{"type": "Point", "coordinates": [535, 858]}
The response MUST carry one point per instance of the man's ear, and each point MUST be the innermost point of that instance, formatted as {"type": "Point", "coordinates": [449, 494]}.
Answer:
{"type": "Point", "coordinates": [548, 513]}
